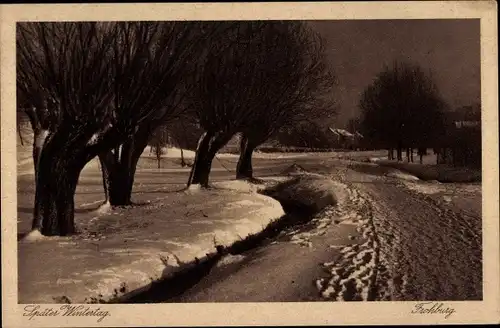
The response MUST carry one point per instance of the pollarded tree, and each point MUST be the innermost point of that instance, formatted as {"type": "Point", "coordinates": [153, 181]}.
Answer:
{"type": "Point", "coordinates": [63, 73]}
{"type": "Point", "coordinates": [163, 72]}
{"type": "Point", "coordinates": [231, 79]}
{"type": "Point", "coordinates": [298, 88]}
{"type": "Point", "coordinates": [402, 108]}
{"type": "Point", "coordinates": [99, 83]}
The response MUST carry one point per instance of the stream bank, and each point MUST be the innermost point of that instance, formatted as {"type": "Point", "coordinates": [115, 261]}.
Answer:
{"type": "Point", "coordinates": [302, 197]}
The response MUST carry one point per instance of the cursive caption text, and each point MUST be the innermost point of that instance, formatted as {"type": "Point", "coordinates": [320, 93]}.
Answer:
{"type": "Point", "coordinates": [433, 308]}
{"type": "Point", "coordinates": [33, 311]}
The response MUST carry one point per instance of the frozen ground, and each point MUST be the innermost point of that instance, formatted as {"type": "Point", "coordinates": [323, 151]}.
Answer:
{"type": "Point", "coordinates": [432, 172]}
{"type": "Point", "coordinates": [392, 236]}
{"type": "Point", "coordinates": [136, 245]}
{"type": "Point", "coordinates": [120, 250]}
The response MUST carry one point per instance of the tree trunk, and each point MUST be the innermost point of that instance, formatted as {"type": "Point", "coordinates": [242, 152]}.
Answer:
{"type": "Point", "coordinates": [390, 154]}
{"type": "Point", "coordinates": [208, 145]}
{"type": "Point", "coordinates": [198, 146]}
{"type": "Point", "coordinates": [39, 134]}
{"type": "Point", "coordinates": [118, 180]}
{"type": "Point", "coordinates": [158, 154]}
{"type": "Point", "coordinates": [411, 154]}
{"type": "Point", "coordinates": [120, 185]}
{"type": "Point", "coordinates": [20, 134]}
{"type": "Point", "coordinates": [202, 171]}
{"type": "Point", "coordinates": [244, 168]}
{"type": "Point", "coordinates": [59, 167]}
{"type": "Point", "coordinates": [400, 153]}
{"type": "Point", "coordinates": [105, 168]}
{"type": "Point", "coordinates": [421, 152]}
{"type": "Point", "coordinates": [38, 141]}
{"type": "Point", "coordinates": [183, 162]}
{"type": "Point", "coordinates": [118, 170]}
{"type": "Point", "coordinates": [203, 161]}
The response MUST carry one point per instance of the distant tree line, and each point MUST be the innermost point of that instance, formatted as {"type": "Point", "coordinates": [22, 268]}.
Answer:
{"type": "Point", "coordinates": [106, 89]}
{"type": "Point", "coordinates": [461, 145]}
{"type": "Point", "coordinates": [403, 110]}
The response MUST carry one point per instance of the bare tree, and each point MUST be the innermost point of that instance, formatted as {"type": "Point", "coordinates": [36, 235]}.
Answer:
{"type": "Point", "coordinates": [160, 140]}
{"type": "Point", "coordinates": [185, 133]}
{"type": "Point", "coordinates": [402, 109]}
{"type": "Point", "coordinates": [305, 134]}
{"type": "Point", "coordinates": [100, 84]}
{"type": "Point", "coordinates": [297, 82]}
{"type": "Point", "coordinates": [63, 72]}
{"type": "Point", "coordinates": [182, 42]}
{"type": "Point", "coordinates": [245, 76]}
{"type": "Point", "coordinates": [230, 80]}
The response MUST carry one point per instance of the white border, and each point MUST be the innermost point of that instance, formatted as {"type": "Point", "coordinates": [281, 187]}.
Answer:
{"type": "Point", "coordinates": [320, 313]}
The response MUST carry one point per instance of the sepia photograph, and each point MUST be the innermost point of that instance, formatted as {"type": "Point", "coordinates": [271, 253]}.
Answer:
{"type": "Point", "coordinates": [180, 162]}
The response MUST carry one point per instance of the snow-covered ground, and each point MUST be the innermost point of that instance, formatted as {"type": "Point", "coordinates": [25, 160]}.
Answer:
{"type": "Point", "coordinates": [137, 245]}
{"type": "Point", "coordinates": [377, 243]}
{"type": "Point", "coordinates": [132, 244]}
{"type": "Point", "coordinates": [429, 171]}
{"type": "Point", "coordinates": [389, 238]}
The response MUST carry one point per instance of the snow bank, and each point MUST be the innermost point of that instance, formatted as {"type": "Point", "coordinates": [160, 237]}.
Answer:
{"type": "Point", "coordinates": [104, 208]}
{"type": "Point", "coordinates": [308, 191]}
{"type": "Point", "coordinates": [439, 172]}
{"type": "Point", "coordinates": [174, 152]}
{"type": "Point", "coordinates": [402, 175]}
{"type": "Point", "coordinates": [33, 236]}
{"type": "Point", "coordinates": [375, 159]}
{"type": "Point", "coordinates": [230, 259]}
{"type": "Point", "coordinates": [428, 188]}
{"type": "Point", "coordinates": [125, 250]}
{"type": "Point", "coordinates": [237, 186]}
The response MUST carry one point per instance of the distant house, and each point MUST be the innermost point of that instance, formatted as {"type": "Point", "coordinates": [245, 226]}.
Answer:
{"type": "Point", "coordinates": [346, 140]}
{"type": "Point", "coordinates": [342, 139]}
{"type": "Point", "coordinates": [461, 144]}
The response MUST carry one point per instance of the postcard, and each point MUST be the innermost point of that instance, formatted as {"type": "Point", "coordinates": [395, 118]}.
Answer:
{"type": "Point", "coordinates": [196, 164]}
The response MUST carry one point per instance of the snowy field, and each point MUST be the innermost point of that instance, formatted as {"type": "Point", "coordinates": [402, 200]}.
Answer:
{"type": "Point", "coordinates": [180, 224]}
{"type": "Point", "coordinates": [348, 239]}
{"type": "Point", "coordinates": [390, 237]}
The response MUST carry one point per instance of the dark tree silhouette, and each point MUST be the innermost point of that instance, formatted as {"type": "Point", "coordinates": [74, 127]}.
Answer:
{"type": "Point", "coordinates": [402, 109]}
{"type": "Point", "coordinates": [258, 77]}
{"type": "Point", "coordinates": [296, 80]}
{"type": "Point", "coordinates": [97, 85]}
{"type": "Point", "coordinates": [63, 72]}
{"type": "Point", "coordinates": [159, 140]}
{"type": "Point", "coordinates": [305, 134]}
{"type": "Point", "coordinates": [185, 133]}
{"type": "Point", "coordinates": [163, 70]}
{"type": "Point", "coordinates": [230, 78]}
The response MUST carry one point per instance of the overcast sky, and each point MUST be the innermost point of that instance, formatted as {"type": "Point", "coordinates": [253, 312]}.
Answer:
{"type": "Point", "coordinates": [358, 50]}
